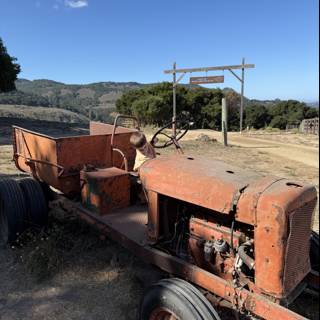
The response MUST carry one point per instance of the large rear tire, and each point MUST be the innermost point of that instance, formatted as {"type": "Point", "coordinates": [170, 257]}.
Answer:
{"type": "Point", "coordinates": [314, 251]}
{"type": "Point", "coordinates": [175, 299]}
{"type": "Point", "coordinates": [12, 210]}
{"type": "Point", "coordinates": [37, 209]}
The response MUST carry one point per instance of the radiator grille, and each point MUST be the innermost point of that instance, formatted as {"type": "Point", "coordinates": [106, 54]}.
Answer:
{"type": "Point", "coordinates": [297, 261]}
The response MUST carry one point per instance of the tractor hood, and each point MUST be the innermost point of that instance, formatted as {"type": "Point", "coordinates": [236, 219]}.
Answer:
{"type": "Point", "coordinates": [208, 183]}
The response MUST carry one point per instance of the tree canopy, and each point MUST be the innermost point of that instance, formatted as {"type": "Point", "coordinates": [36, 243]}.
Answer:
{"type": "Point", "coordinates": [153, 105]}
{"type": "Point", "coordinates": [9, 70]}
{"type": "Point", "coordinates": [290, 112]}
{"type": "Point", "coordinates": [257, 116]}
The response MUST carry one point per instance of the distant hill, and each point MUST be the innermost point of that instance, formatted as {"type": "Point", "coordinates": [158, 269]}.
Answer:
{"type": "Point", "coordinates": [96, 100]}
{"type": "Point", "coordinates": [41, 113]}
{"type": "Point", "coordinates": [101, 93]}
{"type": "Point", "coordinates": [75, 97]}
{"type": "Point", "coordinates": [314, 104]}
{"type": "Point", "coordinates": [248, 101]}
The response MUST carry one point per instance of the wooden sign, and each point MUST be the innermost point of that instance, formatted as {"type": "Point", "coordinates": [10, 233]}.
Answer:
{"type": "Point", "coordinates": [212, 79]}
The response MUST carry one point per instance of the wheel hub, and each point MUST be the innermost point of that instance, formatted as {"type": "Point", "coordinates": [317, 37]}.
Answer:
{"type": "Point", "coordinates": [162, 314]}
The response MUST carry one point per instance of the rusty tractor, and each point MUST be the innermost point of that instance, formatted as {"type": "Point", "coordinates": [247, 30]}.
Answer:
{"type": "Point", "coordinates": [228, 237]}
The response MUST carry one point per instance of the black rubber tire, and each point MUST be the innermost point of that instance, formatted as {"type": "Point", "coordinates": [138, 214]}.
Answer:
{"type": "Point", "coordinates": [203, 302]}
{"type": "Point", "coordinates": [13, 210]}
{"type": "Point", "coordinates": [180, 298]}
{"type": "Point", "coordinates": [314, 251]}
{"type": "Point", "coordinates": [37, 208]}
{"type": "Point", "coordinates": [48, 193]}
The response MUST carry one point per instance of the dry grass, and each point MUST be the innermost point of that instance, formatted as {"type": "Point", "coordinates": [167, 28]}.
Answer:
{"type": "Point", "coordinates": [46, 252]}
{"type": "Point", "coordinates": [286, 137]}
{"type": "Point", "coordinates": [7, 166]}
{"type": "Point", "coordinates": [69, 272]}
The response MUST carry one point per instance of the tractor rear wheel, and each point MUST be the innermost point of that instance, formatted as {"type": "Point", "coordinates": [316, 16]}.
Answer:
{"type": "Point", "coordinates": [37, 209]}
{"type": "Point", "coordinates": [314, 250]}
{"type": "Point", "coordinates": [12, 210]}
{"type": "Point", "coordinates": [175, 299]}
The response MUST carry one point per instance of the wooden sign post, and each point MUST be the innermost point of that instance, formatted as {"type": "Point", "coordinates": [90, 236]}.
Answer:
{"type": "Point", "coordinates": [224, 122]}
{"type": "Point", "coordinates": [211, 79]}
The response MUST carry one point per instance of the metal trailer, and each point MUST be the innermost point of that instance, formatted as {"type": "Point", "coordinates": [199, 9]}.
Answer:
{"type": "Point", "coordinates": [246, 246]}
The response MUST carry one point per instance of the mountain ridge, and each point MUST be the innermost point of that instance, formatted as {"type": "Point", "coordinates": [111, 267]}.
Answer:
{"type": "Point", "coordinates": [97, 99]}
{"type": "Point", "coordinates": [24, 85]}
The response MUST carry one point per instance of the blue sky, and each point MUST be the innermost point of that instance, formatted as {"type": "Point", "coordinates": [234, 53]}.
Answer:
{"type": "Point", "coordinates": [82, 41]}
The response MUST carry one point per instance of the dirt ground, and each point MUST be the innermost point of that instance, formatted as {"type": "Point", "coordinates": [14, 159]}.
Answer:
{"type": "Point", "coordinates": [97, 279]}
{"type": "Point", "coordinates": [292, 146]}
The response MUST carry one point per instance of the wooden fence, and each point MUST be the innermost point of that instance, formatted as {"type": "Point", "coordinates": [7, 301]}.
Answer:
{"type": "Point", "coordinates": [310, 126]}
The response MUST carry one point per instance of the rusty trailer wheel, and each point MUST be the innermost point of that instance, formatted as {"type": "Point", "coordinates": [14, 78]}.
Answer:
{"type": "Point", "coordinates": [12, 210]}
{"type": "Point", "coordinates": [37, 209]}
{"type": "Point", "coordinates": [175, 299]}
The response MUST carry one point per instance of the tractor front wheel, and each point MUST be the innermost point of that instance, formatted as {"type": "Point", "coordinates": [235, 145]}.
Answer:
{"type": "Point", "coordinates": [175, 299]}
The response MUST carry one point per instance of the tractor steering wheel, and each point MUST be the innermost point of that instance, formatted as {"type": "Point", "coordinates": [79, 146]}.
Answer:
{"type": "Point", "coordinates": [183, 125]}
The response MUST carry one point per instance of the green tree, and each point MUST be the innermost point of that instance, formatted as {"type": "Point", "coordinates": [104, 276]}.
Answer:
{"type": "Point", "coordinates": [256, 116]}
{"type": "Point", "coordinates": [9, 70]}
{"type": "Point", "coordinates": [202, 103]}
{"type": "Point", "coordinates": [148, 109]}
{"type": "Point", "coordinates": [312, 113]}
{"type": "Point", "coordinates": [211, 115]}
{"type": "Point", "coordinates": [124, 104]}
{"type": "Point", "coordinates": [290, 112]}
{"type": "Point", "coordinates": [279, 122]}
{"type": "Point", "coordinates": [153, 104]}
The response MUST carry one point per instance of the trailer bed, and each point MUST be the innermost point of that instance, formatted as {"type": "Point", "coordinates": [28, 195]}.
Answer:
{"type": "Point", "coordinates": [57, 161]}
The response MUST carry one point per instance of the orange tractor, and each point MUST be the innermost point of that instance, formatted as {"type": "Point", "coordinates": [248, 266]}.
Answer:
{"type": "Point", "coordinates": [231, 238]}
